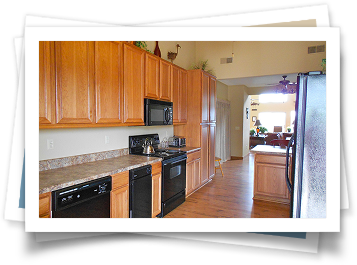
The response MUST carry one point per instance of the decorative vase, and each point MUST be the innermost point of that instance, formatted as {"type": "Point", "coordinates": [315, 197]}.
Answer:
{"type": "Point", "coordinates": [157, 51]}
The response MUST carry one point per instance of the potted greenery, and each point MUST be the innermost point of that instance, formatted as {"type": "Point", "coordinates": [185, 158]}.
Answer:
{"type": "Point", "coordinates": [263, 129]}
{"type": "Point", "coordinates": [203, 66]}
{"type": "Point", "coordinates": [142, 45]}
{"type": "Point", "coordinates": [288, 129]}
{"type": "Point", "coordinates": [252, 132]}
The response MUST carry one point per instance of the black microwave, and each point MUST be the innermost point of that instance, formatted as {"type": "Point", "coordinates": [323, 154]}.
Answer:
{"type": "Point", "coordinates": [157, 112]}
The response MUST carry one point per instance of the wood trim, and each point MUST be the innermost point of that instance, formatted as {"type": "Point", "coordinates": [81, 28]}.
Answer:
{"type": "Point", "coordinates": [45, 205]}
{"type": "Point", "coordinates": [120, 179]}
{"type": "Point", "coordinates": [156, 195]}
{"type": "Point", "coordinates": [156, 168]}
{"type": "Point", "coordinates": [236, 158]}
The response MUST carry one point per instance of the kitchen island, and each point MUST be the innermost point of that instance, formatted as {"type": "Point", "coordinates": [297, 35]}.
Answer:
{"type": "Point", "coordinates": [269, 174]}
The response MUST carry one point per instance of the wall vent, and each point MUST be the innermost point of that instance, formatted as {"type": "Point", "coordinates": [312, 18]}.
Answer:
{"type": "Point", "coordinates": [226, 60]}
{"type": "Point", "coordinates": [315, 49]}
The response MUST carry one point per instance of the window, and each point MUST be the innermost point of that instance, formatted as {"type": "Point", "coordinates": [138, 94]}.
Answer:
{"type": "Point", "coordinates": [273, 98]}
{"type": "Point", "coordinates": [271, 119]}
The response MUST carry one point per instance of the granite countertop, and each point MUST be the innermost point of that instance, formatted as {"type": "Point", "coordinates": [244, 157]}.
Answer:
{"type": "Point", "coordinates": [188, 149]}
{"type": "Point", "coordinates": [59, 178]}
{"type": "Point", "coordinates": [269, 150]}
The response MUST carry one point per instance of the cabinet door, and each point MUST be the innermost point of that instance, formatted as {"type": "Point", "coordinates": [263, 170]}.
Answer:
{"type": "Point", "coordinates": [109, 81]}
{"type": "Point", "coordinates": [119, 203]}
{"type": "Point", "coordinates": [183, 96]}
{"type": "Point", "coordinates": [189, 177]}
{"type": "Point", "coordinates": [165, 80]}
{"type": "Point", "coordinates": [152, 76]}
{"type": "Point", "coordinates": [45, 205]}
{"type": "Point", "coordinates": [46, 83]}
{"type": "Point", "coordinates": [134, 69]}
{"type": "Point", "coordinates": [156, 195]}
{"type": "Point", "coordinates": [211, 150]}
{"type": "Point", "coordinates": [212, 99]}
{"type": "Point", "coordinates": [204, 153]}
{"type": "Point", "coordinates": [176, 94]}
{"type": "Point", "coordinates": [75, 82]}
{"type": "Point", "coordinates": [205, 97]}
{"type": "Point", "coordinates": [196, 173]}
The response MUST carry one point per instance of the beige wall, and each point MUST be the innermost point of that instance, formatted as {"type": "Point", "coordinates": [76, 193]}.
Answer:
{"type": "Point", "coordinates": [222, 91]}
{"type": "Point", "coordinates": [239, 99]}
{"type": "Point", "coordinates": [186, 54]}
{"type": "Point", "coordinates": [259, 58]}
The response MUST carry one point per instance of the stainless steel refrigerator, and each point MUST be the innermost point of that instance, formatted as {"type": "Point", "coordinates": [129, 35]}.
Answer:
{"type": "Point", "coordinates": [308, 144]}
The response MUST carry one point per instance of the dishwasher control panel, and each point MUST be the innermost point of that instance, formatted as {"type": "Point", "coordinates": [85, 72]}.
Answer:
{"type": "Point", "coordinates": [66, 197]}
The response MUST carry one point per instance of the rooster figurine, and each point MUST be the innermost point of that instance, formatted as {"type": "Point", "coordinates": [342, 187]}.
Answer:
{"type": "Point", "coordinates": [172, 55]}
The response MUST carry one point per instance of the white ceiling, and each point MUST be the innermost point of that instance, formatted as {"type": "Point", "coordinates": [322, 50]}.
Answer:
{"type": "Point", "coordinates": [259, 81]}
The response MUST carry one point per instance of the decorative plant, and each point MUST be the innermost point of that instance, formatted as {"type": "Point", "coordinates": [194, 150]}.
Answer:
{"type": "Point", "coordinates": [203, 66]}
{"type": "Point", "coordinates": [288, 129]}
{"type": "Point", "coordinates": [323, 64]}
{"type": "Point", "coordinates": [263, 129]}
{"type": "Point", "coordinates": [142, 45]}
{"type": "Point", "coordinates": [252, 132]}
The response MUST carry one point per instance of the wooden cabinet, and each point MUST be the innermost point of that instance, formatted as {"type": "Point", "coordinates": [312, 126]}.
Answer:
{"type": "Point", "coordinates": [134, 85]}
{"type": "Point", "coordinates": [193, 170]}
{"type": "Point", "coordinates": [269, 178]}
{"type": "Point", "coordinates": [45, 205]}
{"type": "Point", "coordinates": [119, 196]}
{"type": "Point", "coordinates": [152, 76]}
{"type": "Point", "coordinates": [103, 83]}
{"type": "Point", "coordinates": [200, 129]}
{"type": "Point", "coordinates": [212, 99]}
{"type": "Point", "coordinates": [179, 95]}
{"type": "Point", "coordinates": [46, 83]}
{"type": "Point", "coordinates": [156, 189]}
{"type": "Point", "coordinates": [109, 82]}
{"type": "Point", "coordinates": [74, 66]}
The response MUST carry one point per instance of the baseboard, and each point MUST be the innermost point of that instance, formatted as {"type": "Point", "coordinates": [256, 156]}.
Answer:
{"type": "Point", "coordinates": [236, 158]}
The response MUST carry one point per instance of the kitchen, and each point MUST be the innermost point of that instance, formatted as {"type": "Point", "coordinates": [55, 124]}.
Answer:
{"type": "Point", "coordinates": [76, 123]}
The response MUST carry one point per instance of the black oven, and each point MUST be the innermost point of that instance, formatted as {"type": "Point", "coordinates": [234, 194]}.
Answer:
{"type": "Point", "coordinates": [173, 183]}
{"type": "Point", "coordinates": [157, 112]}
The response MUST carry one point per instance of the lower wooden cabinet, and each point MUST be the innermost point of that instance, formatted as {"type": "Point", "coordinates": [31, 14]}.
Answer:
{"type": "Point", "coordinates": [45, 205]}
{"type": "Point", "coordinates": [269, 178]}
{"type": "Point", "coordinates": [119, 202]}
{"type": "Point", "coordinates": [193, 172]}
{"type": "Point", "coordinates": [119, 196]}
{"type": "Point", "coordinates": [156, 189]}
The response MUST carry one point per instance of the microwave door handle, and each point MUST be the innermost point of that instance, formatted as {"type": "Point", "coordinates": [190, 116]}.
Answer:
{"type": "Point", "coordinates": [166, 115]}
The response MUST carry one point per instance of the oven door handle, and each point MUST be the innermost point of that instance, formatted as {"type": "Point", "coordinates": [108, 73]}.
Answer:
{"type": "Point", "coordinates": [173, 162]}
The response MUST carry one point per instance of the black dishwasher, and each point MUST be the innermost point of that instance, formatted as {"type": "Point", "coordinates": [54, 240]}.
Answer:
{"type": "Point", "coordinates": [86, 200]}
{"type": "Point", "coordinates": [140, 192]}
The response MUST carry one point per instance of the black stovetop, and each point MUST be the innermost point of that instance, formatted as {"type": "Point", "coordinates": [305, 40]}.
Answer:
{"type": "Point", "coordinates": [136, 142]}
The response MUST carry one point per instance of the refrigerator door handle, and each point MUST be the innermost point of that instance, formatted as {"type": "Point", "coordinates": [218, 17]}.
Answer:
{"type": "Point", "coordinates": [288, 183]}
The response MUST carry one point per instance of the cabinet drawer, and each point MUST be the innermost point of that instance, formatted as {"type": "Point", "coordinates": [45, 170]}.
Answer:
{"type": "Point", "coordinates": [156, 168]}
{"type": "Point", "coordinates": [120, 179]}
{"type": "Point", "coordinates": [193, 156]}
{"type": "Point", "coordinates": [270, 159]}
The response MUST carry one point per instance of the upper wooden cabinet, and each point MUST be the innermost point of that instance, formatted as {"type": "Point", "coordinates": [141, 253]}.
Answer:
{"type": "Point", "coordinates": [103, 83]}
{"type": "Point", "coordinates": [165, 80]}
{"type": "Point", "coordinates": [152, 76]}
{"type": "Point", "coordinates": [212, 99]}
{"type": "Point", "coordinates": [205, 97]}
{"type": "Point", "coordinates": [46, 83]}
{"type": "Point", "coordinates": [134, 84]}
{"type": "Point", "coordinates": [179, 95]}
{"type": "Point", "coordinates": [109, 82]}
{"type": "Point", "coordinates": [74, 82]}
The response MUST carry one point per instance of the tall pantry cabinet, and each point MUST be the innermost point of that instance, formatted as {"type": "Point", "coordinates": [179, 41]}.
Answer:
{"type": "Point", "coordinates": [200, 130]}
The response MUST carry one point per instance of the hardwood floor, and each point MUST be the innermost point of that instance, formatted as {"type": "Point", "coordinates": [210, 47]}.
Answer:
{"type": "Point", "coordinates": [229, 197]}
